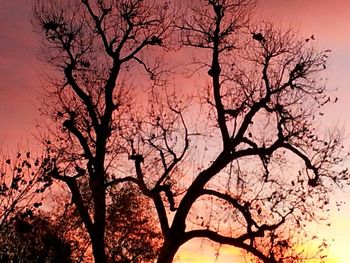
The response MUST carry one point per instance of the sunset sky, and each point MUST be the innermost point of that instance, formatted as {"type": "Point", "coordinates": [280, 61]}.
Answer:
{"type": "Point", "coordinates": [328, 20]}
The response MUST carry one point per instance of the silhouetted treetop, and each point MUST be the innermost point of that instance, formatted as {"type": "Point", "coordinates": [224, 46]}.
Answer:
{"type": "Point", "coordinates": [95, 47]}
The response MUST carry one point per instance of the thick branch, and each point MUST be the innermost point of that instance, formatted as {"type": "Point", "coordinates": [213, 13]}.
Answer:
{"type": "Point", "coordinates": [76, 197]}
{"type": "Point", "coordinates": [244, 209]}
{"type": "Point", "coordinates": [82, 95]}
{"type": "Point", "coordinates": [195, 189]}
{"type": "Point", "coordinates": [236, 242]}
{"type": "Point", "coordinates": [214, 72]}
{"type": "Point", "coordinates": [138, 159]}
{"type": "Point", "coordinates": [69, 124]}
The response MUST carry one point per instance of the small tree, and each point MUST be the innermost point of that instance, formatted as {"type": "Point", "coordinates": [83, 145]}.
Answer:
{"type": "Point", "coordinates": [132, 234]}
{"type": "Point", "coordinates": [21, 186]}
{"type": "Point", "coordinates": [132, 231]}
{"type": "Point", "coordinates": [33, 238]}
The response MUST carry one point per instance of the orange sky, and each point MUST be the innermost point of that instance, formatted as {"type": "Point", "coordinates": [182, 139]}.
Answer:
{"type": "Point", "coordinates": [328, 20]}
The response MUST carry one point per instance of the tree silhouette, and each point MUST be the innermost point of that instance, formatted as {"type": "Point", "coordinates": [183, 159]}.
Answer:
{"type": "Point", "coordinates": [33, 238]}
{"type": "Point", "coordinates": [253, 167]}
{"type": "Point", "coordinates": [261, 166]}
{"type": "Point", "coordinates": [93, 45]}
{"type": "Point", "coordinates": [132, 231]}
{"type": "Point", "coordinates": [21, 186]}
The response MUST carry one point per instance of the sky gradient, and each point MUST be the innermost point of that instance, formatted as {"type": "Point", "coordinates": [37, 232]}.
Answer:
{"type": "Point", "coordinates": [19, 75]}
{"type": "Point", "coordinates": [328, 20]}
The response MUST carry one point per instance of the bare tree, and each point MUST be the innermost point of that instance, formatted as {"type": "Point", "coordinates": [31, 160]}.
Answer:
{"type": "Point", "coordinates": [93, 47]}
{"type": "Point", "coordinates": [21, 186]}
{"type": "Point", "coordinates": [267, 167]}
{"type": "Point", "coordinates": [254, 167]}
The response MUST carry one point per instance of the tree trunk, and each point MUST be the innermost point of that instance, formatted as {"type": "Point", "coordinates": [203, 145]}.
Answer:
{"type": "Point", "coordinates": [98, 249]}
{"type": "Point", "coordinates": [98, 240]}
{"type": "Point", "coordinates": [168, 251]}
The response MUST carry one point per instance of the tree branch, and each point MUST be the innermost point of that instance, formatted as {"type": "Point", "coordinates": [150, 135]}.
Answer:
{"type": "Point", "coordinates": [308, 164]}
{"type": "Point", "coordinates": [76, 197]}
{"type": "Point", "coordinates": [236, 242]}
